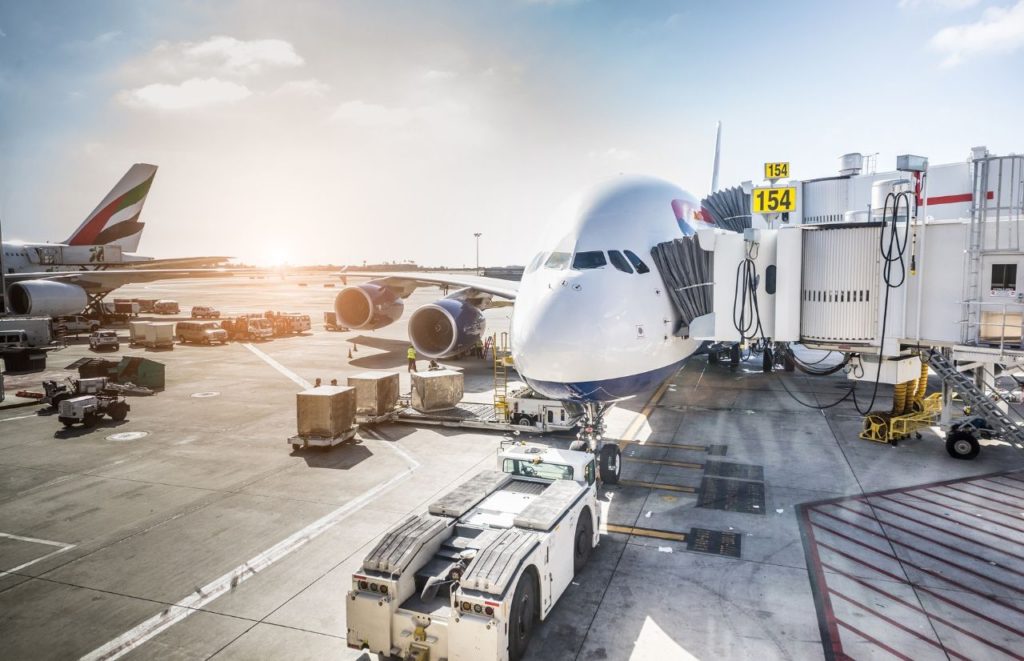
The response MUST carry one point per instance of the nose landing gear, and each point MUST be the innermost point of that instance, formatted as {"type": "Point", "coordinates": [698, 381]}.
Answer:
{"type": "Point", "coordinates": [591, 439]}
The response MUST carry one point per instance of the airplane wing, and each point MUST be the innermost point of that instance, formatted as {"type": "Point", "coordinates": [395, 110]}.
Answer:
{"type": "Point", "coordinates": [177, 263]}
{"type": "Point", "coordinates": [404, 283]}
{"type": "Point", "coordinates": [100, 281]}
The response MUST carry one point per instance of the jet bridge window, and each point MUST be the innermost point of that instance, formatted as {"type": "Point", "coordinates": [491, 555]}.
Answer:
{"type": "Point", "coordinates": [619, 262]}
{"type": "Point", "coordinates": [1004, 276]}
{"type": "Point", "coordinates": [590, 259]}
{"type": "Point", "coordinates": [557, 261]}
{"type": "Point", "coordinates": [637, 263]}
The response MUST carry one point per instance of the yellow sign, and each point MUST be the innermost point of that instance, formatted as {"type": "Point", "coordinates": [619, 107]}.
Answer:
{"type": "Point", "coordinates": [776, 170]}
{"type": "Point", "coordinates": [773, 200]}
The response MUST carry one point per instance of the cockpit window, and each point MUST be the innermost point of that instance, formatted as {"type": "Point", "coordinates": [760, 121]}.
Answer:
{"type": "Point", "coordinates": [590, 259]}
{"type": "Point", "coordinates": [619, 262]}
{"type": "Point", "coordinates": [557, 261]}
{"type": "Point", "coordinates": [536, 262]}
{"type": "Point", "coordinates": [637, 263]}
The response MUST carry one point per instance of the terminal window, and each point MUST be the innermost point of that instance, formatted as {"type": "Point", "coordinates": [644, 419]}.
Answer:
{"type": "Point", "coordinates": [1004, 276]}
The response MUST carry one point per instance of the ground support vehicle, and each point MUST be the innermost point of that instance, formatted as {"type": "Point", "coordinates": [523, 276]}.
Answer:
{"type": "Point", "coordinates": [75, 324]}
{"type": "Point", "coordinates": [201, 332]}
{"type": "Point", "coordinates": [104, 339]}
{"type": "Point", "coordinates": [528, 409]}
{"type": "Point", "coordinates": [166, 306]}
{"type": "Point", "coordinates": [288, 323]}
{"type": "Point", "coordinates": [331, 322]}
{"type": "Point", "coordinates": [469, 579]}
{"type": "Point", "coordinates": [298, 442]}
{"type": "Point", "coordinates": [205, 312]}
{"type": "Point", "coordinates": [55, 392]}
{"type": "Point", "coordinates": [248, 327]}
{"type": "Point", "coordinates": [89, 409]}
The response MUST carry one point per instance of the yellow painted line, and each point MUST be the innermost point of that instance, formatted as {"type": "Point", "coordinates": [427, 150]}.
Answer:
{"type": "Point", "coordinates": [666, 462]}
{"type": "Point", "coordinates": [646, 532]}
{"type": "Point", "coordinates": [671, 446]}
{"type": "Point", "coordinates": [634, 427]}
{"type": "Point", "coordinates": [655, 485]}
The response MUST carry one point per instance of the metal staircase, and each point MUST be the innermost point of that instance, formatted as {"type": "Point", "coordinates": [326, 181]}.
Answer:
{"type": "Point", "coordinates": [1008, 424]}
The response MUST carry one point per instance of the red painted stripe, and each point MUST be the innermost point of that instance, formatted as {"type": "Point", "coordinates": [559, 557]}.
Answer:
{"type": "Point", "coordinates": [956, 566]}
{"type": "Point", "coordinates": [955, 521]}
{"type": "Point", "coordinates": [835, 643]}
{"type": "Point", "coordinates": [949, 532]}
{"type": "Point", "coordinates": [88, 234]}
{"type": "Point", "coordinates": [927, 538]}
{"type": "Point", "coordinates": [932, 616]}
{"type": "Point", "coordinates": [987, 499]}
{"type": "Point", "coordinates": [989, 509]}
{"type": "Point", "coordinates": [949, 199]}
{"type": "Point", "coordinates": [886, 618]}
{"type": "Point", "coordinates": [918, 586]}
{"type": "Point", "coordinates": [874, 641]}
{"type": "Point", "coordinates": [1001, 493]}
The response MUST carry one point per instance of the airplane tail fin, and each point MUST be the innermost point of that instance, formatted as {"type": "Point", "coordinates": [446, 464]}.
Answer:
{"type": "Point", "coordinates": [116, 219]}
{"type": "Point", "coordinates": [718, 151]}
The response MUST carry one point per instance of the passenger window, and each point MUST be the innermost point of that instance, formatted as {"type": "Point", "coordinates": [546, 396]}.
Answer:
{"type": "Point", "coordinates": [619, 262]}
{"type": "Point", "coordinates": [557, 261]}
{"type": "Point", "coordinates": [591, 259]}
{"type": "Point", "coordinates": [637, 263]}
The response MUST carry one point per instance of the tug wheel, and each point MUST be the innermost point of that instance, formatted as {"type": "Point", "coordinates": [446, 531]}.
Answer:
{"type": "Point", "coordinates": [523, 617]}
{"type": "Point", "coordinates": [583, 542]}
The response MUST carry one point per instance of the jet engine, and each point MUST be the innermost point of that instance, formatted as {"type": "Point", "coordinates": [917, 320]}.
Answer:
{"type": "Point", "coordinates": [368, 306]}
{"type": "Point", "coordinates": [46, 297]}
{"type": "Point", "coordinates": [445, 328]}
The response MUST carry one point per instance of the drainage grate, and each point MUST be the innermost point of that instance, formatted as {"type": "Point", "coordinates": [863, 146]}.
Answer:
{"type": "Point", "coordinates": [715, 542]}
{"type": "Point", "coordinates": [738, 471]}
{"type": "Point", "coordinates": [718, 493]}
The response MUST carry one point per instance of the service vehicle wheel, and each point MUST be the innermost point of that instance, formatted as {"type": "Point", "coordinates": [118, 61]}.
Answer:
{"type": "Point", "coordinates": [962, 445]}
{"type": "Point", "coordinates": [522, 419]}
{"type": "Point", "coordinates": [90, 420]}
{"type": "Point", "coordinates": [296, 447]}
{"type": "Point", "coordinates": [523, 617]}
{"type": "Point", "coordinates": [610, 463]}
{"type": "Point", "coordinates": [117, 347]}
{"type": "Point", "coordinates": [583, 543]}
{"type": "Point", "coordinates": [118, 412]}
{"type": "Point", "coordinates": [67, 423]}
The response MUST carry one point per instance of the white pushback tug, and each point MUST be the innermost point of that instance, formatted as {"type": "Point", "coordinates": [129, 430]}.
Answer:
{"type": "Point", "coordinates": [470, 579]}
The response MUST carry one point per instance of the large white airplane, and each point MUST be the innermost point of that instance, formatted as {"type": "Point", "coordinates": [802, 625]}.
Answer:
{"type": "Point", "coordinates": [591, 320]}
{"type": "Point", "coordinates": [63, 278]}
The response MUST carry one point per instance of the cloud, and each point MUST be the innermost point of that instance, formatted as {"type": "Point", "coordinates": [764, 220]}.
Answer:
{"type": "Point", "coordinates": [190, 94]}
{"type": "Point", "coordinates": [309, 87]}
{"type": "Point", "coordinates": [372, 115]}
{"type": "Point", "coordinates": [613, 154]}
{"type": "Point", "coordinates": [438, 75]}
{"type": "Point", "coordinates": [944, 5]}
{"type": "Point", "coordinates": [237, 56]}
{"type": "Point", "coordinates": [999, 30]}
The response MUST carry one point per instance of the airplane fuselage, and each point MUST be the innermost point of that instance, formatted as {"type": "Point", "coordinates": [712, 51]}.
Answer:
{"type": "Point", "coordinates": [23, 257]}
{"type": "Point", "coordinates": [592, 321]}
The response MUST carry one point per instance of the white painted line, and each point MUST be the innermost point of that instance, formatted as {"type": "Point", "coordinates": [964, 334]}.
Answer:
{"type": "Point", "coordinates": [20, 417]}
{"type": "Point", "coordinates": [34, 540]}
{"type": "Point", "coordinates": [278, 366]}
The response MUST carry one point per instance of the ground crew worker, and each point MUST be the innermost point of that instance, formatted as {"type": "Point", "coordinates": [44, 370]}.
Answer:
{"type": "Point", "coordinates": [317, 383]}
{"type": "Point", "coordinates": [478, 349]}
{"type": "Point", "coordinates": [411, 353]}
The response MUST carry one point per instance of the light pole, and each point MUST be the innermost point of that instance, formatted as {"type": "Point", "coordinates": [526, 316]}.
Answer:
{"type": "Point", "coordinates": [3, 278]}
{"type": "Point", "coordinates": [478, 235]}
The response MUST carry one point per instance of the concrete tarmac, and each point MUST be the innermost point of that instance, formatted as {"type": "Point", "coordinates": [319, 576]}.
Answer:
{"type": "Point", "coordinates": [748, 526]}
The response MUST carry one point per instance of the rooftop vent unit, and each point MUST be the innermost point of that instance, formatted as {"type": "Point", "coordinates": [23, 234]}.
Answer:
{"type": "Point", "coordinates": [851, 164]}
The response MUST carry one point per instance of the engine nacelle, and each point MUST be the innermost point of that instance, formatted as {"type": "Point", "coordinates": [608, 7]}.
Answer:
{"type": "Point", "coordinates": [368, 306]}
{"type": "Point", "coordinates": [46, 297]}
{"type": "Point", "coordinates": [445, 328]}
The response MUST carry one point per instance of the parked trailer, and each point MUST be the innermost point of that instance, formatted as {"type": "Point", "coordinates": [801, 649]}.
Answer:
{"type": "Point", "coordinates": [469, 579]}
{"type": "Point", "coordinates": [331, 322]}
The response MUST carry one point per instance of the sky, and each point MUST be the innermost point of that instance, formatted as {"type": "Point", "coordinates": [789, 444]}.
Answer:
{"type": "Point", "coordinates": [338, 132]}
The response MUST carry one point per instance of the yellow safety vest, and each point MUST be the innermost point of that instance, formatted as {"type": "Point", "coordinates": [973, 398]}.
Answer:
{"type": "Point", "coordinates": [411, 353]}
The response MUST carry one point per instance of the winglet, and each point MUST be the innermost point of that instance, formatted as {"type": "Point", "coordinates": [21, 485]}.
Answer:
{"type": "Point", "coordinates": [718, 151]}
{"type": "Point", "coordinates": [116, 219]}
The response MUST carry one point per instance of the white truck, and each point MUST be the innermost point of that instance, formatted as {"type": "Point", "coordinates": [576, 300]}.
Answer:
{"type": "Point", "coordinates": [76, 323]}
{"type": "Point", "coordinates": [529, 409]}
{"type": "Point", "coordinates": [37, 330]}
{"type": "Point", "coordinates": [470, 579]}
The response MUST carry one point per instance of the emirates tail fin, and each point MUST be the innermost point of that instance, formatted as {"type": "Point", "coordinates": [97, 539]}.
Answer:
{"type": "Point", "coordinates": [115, 221]}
